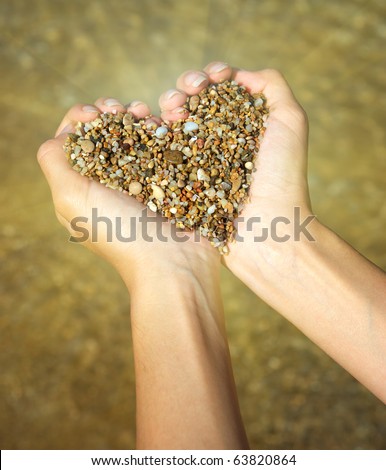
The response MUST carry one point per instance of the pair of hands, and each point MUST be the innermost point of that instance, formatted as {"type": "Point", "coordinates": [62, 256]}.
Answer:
{"type": "Point", "coordinates": [326, 289]}
{"type": "Point", "coordinates": [279, 184]}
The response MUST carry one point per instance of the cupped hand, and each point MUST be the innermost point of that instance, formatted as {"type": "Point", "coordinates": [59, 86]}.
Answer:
{"type": "Point", "coordinates": [135, 240]}
{"type": "Point", "coordinates": [280, 180]}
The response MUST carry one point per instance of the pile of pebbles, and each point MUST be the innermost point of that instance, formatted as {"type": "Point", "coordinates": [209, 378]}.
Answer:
{"type": "Point", "coordinates": [196, 172]}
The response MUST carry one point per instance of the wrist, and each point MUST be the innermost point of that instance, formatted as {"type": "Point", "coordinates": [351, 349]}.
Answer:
{"type": "Point", "coordinates": [266, 266]}
{"type": "Point", "coordinates": [179, 302]}
{"type": "Point", "coordinates": [158, 269]}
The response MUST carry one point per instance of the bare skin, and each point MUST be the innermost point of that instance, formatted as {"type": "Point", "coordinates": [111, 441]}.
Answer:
{"type": "Point", "coordinates": [330, 292]}
{"type": "Point", "coordinates": [186, 396]}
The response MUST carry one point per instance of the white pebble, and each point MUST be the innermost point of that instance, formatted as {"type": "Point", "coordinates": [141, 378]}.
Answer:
{"type": "Point", "coordinates": [152, 206]}
{"type": "Point", "coordinates": [161, 132]}
{"type": "Point", "coordinates": [173, 210]}
{"type": "Point", "coordinates": [202, 176]}
{"type": "Point", "coordinates": [186, 151]}
{"type": "Point", "coordinates": [190, 127]}
{"type": "Point", "coordinates": [211, 192]}
{"type": "Point", "coordinates": [158, 192]}
{"type": "Point", "coordinates": [211, 209]}
{"type": "Point", "coordinates": [258, 102]}
{"type": "Point", "coordinates": [249, 165]}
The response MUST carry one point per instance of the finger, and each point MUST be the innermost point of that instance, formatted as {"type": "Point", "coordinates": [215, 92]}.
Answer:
{"type": "Point", "coordinates": [109, 105]}
{"type": "Point", "coordinates": [274, 86]}
{"type": "Point", "coordinates": [192, 82]}
{"type": "Point", "coordinates": [218, 72]}
{"type": "Point", "coordinates": [79, 112]}
{"type": "Point", "coordinates": [139, 109]}
{"type": "Point", "coordinates": [59, 174]}
{"type": "Point", "coordinates": [172, 99]}
{"type": "Point", "coordinates": [175, 114]}
{"type": "Point", "coordinates": [171, 103]}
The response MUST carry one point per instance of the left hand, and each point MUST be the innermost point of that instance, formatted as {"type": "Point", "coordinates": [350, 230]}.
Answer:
{"type": "Point", "coordinates": [76, 196]}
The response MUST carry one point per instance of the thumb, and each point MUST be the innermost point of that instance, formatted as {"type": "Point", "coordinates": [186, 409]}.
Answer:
{"type": "Point", "coordinates": [64, 182]}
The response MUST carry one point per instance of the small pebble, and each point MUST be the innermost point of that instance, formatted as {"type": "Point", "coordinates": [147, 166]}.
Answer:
{"type": "Point", "coordinates": [190, 127]}
{"type": "Point", "coordinates": [161, 132]}
{"type": "Point", "coordinates": [152, 206]}
{"type": "Point", "coordinates": [211, 192]}
{"type": "Point", "coordinates": [236, 184]}
{"type": "Point", "coordinates": [173, 156]}
{"type": "Point", "coordinates": [87, 146]}
{"type": "Point", "coordinates": [194, 101]}
{"type": "Point", "coordinates": [158, 192]}
{"type": "Point", "coordinates": [202, 176]}
{"type": "Point", "coordinates": [211, 209]}
{"type": "Point", "coordinates": [135, 188]}
{"type": "Point", "coordinates": [249, 166]}
{"type": "Point", "coordinates": [128, 119]}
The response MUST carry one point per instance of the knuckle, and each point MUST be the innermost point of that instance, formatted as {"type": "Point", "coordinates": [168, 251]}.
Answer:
{"type": "Point", "coordinates": [296, 113]}
{"type": "Point", "coordinates": [300, 115]}
{"type": "Point", "coordinates": [273, 73]}
{"type": "Point", "coordinates": [45, 148]}
{"type": "Point", "coordinates": [62, 201]}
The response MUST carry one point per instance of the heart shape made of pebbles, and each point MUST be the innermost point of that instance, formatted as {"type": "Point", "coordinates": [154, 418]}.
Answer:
{"type": "Point", "coordinates": [196, 172]}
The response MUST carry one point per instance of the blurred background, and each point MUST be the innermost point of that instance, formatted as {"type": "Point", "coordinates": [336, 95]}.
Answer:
{"type": "Point", "coordinates": [66, 371]}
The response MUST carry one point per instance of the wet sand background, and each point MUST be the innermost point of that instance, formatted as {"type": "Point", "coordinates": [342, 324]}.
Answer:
{"type": "Point", "coordinates": [66, 372]}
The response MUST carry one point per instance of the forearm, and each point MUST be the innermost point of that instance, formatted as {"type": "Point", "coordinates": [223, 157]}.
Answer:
{"type": "Point", "coordinates": [185, 389]}
{"type": "Point", "coordinates": [331, 293]}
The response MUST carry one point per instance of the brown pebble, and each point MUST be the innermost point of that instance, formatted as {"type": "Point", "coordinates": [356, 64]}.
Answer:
{"type": "Point", "coordinates": [87, 146]}
{"type": "Point", "coordinates": [128, 119]}
{"type": "Point", "coordinates": [200, 143]}
{"type": "Point", "coordinates": [194, 101]}
{"type": "Point", "coordinates": [173, 156]}
{"type": "Point", "coordinates": [236, 185]}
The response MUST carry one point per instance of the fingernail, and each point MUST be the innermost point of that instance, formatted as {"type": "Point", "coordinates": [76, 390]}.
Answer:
{"type": "Point", "coordinates": [169, 94]}
{"type": "Point", "coordinates": [89, 109]}
{"type": "Point", "coordinates": [218, 67]}
{"type": "Point", "coordinates": [112, 102]}
{"type": "Point", "coordinates": [134, 104]}
{"type": "Point", "coordinates": [194, 79]}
